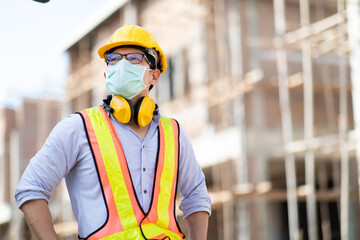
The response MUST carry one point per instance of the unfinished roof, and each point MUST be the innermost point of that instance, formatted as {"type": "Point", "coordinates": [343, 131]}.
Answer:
{"type": "Point", "coordinates": [87, 26]}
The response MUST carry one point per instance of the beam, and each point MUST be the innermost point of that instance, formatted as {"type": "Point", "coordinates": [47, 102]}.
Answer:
{"type": "Point", "coordinates": [308, 123]}
{"type": "Point", "coordinates": [313, 29]}
{"type": "Point", "coordinates": [281, 60]}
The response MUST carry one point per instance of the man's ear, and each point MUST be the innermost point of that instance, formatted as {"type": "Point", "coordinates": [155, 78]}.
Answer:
{"type": "Point", "coordinates": [155, 76]}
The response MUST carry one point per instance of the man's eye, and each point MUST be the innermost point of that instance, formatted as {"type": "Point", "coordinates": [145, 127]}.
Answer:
{"type": "Point", "coordinates": [114, 59]}
{"type": "Point", "coordinates": [133, 58]}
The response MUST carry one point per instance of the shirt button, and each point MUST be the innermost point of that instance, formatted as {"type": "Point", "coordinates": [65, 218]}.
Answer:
{"type": "Point", "coordinates": [144, 169]}
{"type": "Point", "coordinates": [145, 191]}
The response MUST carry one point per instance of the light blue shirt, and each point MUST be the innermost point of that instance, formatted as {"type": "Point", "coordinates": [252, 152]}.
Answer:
{"type": "Point", "coordinates": [66, 153]}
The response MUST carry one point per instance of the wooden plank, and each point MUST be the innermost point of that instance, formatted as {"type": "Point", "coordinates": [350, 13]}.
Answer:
{"type": "Point", "coordinates": [313, 29]}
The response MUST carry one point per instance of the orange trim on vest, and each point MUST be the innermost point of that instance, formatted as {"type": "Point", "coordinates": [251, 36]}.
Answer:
{"type": "Point", "coordinates": [168, 151]}
{"type": "Point", "coordinates": [120, 152]}
{"type": "Point", "coordinates": [160, 166]}
{"type": "Point", "coordinates": [113, 216]}
{"type": "Point", "coordinates": [172, 224]}
{"type": "Point", "coordinates": [152, 217]}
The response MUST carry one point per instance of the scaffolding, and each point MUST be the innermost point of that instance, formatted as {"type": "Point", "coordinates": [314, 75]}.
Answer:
{"type": "Point", "coordinates": [234, 27]}
{"type": "Point", "coordinates": [345, 44]}
{"type": "Point", "coordinates": [228, 34]}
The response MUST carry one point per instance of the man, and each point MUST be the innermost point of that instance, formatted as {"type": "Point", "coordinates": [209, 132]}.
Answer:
{"type": "Point", "coordinates": [122, 161]}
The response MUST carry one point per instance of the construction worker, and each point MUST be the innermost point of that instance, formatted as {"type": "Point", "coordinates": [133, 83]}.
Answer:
{"type": "Point", "coordinates": [122, 161]}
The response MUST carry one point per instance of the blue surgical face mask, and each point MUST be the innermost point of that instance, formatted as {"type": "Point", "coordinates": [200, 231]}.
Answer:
{"type": "Point", "coordinates": [125, 79]}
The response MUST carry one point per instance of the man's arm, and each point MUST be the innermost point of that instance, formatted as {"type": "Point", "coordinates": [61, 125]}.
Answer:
{"type": "Point", "coordinates": [38, 217]}
{"type": "Point", "coordinates": [198, 225]}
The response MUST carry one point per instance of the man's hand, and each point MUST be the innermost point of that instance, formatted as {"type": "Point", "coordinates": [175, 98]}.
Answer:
{"type": "Point", "coordinates": [198, 225]}
{"type": "Point", "coordinates": [38, 217]}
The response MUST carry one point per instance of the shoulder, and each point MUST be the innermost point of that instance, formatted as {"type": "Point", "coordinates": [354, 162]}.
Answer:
{"type": "Point", "coordinates": [72, 121]}
{"type": "Point", "coordinates": [183, 137]}
{"type": "Point", "coordinates": [68, 126]}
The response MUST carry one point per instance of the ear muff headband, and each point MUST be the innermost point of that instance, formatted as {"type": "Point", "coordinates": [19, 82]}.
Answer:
{"type": "Point", "coordinates": [123, 110]}
{"type": "Point", "coordinates": [144, 111]}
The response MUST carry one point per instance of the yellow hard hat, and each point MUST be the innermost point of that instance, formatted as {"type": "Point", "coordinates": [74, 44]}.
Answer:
{"type": "Point", "coordinates": [137, 36]}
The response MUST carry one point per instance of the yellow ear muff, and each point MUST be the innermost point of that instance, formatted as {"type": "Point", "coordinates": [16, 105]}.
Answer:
{"type": "Point", "coordinates": [122, 109]}
{"type": "Point", "coordinates": [144, 111]}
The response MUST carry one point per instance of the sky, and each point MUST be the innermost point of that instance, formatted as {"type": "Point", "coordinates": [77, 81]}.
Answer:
{"type": "Point", "coordinates": [31, 62]}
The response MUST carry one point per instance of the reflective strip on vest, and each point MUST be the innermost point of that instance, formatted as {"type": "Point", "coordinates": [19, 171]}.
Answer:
{"type": "Point", "coordinates": [126, 219]}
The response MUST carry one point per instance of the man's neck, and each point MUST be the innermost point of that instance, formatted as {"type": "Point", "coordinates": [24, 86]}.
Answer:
{"type": "Point", "coordinates": [134, 100]}
{"type": "Point", "coordinates": [140, 131]}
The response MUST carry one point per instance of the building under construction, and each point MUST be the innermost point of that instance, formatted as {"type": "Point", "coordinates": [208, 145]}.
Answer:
{"type": "Point", "coordinates": [269, 93]}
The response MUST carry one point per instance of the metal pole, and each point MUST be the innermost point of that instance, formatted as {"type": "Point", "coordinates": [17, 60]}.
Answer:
{"type": "Point", "coordinates": [308, 124]}
{"type": "Point", "coordinates": [236, 70]}
{"type": "Point", "coordinates": [279, 15]}
{"type": "Point", "coordinates": [353, 26]}
{"type": "Point", "coordinates": [258, 164]}
{"type": "Point", "coordinates": [344, 187]}
{"type": "Point", "coordinates": [2, 156]}
{"type": "Point", "coordinates": [331, 118]}
{"type": "Point", "coordinates": [15, 230]}
{"type": "Point", "coordinates": [343, 126]}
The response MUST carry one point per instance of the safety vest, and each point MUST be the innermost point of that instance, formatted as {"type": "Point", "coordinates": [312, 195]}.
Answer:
{"type": "Point", "coordinates": [125, 217]}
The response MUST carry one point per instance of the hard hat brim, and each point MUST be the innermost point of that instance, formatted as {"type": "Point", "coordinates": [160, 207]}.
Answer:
{"type": "Point", "coordinates": [102, 50]}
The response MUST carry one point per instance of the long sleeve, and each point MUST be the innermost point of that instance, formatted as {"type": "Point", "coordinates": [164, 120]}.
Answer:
{"type": "Point", "coordinates": [191, 180]}
{"type": "Point", "coordinates": [50, 165]}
